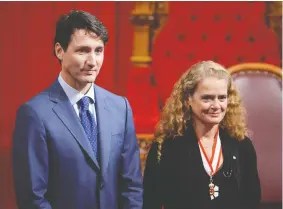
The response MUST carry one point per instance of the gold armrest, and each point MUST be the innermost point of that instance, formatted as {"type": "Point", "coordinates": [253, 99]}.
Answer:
{"type": "Point", "coordinates": [145, 141]}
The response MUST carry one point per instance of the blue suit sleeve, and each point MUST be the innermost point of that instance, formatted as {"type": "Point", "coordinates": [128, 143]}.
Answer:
{"type": "Point", "coordinates": [30, 160]}
{"type": "Point", "coordinates": [131, 178]}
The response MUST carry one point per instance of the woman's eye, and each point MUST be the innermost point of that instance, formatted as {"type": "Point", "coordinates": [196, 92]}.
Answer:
{"type": "Point", "coordinates": [222, 98]}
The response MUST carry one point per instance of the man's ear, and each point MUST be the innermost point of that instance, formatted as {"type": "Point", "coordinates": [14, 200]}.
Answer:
{"type": "Point", "coordinates": [59, 51]}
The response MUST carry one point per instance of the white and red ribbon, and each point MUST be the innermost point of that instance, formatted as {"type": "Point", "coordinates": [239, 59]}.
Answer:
{"type": "Point", "coordinates": [211, 165]}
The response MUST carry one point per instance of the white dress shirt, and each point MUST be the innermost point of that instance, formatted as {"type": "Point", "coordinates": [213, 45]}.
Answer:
{"type": "Point", "coordinates": [74, 96]}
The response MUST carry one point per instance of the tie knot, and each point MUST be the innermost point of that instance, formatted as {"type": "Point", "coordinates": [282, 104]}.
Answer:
{"type": "Point", "coordinates": [84, 103]}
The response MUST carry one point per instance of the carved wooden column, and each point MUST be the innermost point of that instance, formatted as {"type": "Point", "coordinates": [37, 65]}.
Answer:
{"type": "Point", "coordinates": [147, 19]}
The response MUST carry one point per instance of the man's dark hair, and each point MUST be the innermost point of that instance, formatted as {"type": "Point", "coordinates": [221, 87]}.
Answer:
{"type": "Point", "coordinates": [68, 23]}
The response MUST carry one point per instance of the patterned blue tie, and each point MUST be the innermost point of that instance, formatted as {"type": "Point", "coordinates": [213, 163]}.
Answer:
{"type": "Point", "coordinates": [88, 123]}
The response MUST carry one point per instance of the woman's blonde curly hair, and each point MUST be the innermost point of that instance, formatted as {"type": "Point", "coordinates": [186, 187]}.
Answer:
{"type": "Point", "coordinates": [176, 113]}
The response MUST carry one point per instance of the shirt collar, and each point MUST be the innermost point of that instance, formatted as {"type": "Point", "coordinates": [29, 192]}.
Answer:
{"type": "Point", "coordinates": [73, 94]}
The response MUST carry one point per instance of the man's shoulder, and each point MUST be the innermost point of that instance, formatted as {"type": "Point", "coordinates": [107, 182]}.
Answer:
{"type": "Point", "coordinates": [40, 102]}
{"type": "Point", "coordinates": [111, 97]}
{"type": "Point", "coordinates": [39, 99]}
{"type": "Point", "coordinates": [107, 93]}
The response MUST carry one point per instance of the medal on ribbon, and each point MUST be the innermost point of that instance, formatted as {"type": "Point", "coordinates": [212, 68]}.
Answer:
{"type": "Point", "coordinates": [213, 189]}
{"type": "Point", "coordinates": [211, 166]}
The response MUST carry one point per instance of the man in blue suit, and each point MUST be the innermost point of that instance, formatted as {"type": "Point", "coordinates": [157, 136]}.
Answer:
{"type": "Point", "coordinates": [74, 144]}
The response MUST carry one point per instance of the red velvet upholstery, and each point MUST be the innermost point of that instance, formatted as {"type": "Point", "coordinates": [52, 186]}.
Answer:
{"type": "Point", "coordinates": [142, 96]}
{"type": "Point", "coordinates": [227, 32]}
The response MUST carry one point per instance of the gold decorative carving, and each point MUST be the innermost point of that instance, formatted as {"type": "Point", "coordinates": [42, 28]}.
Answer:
{"type": "Point", "coordinates": [274, 19]}
{"type": "Point", "coordinates": [145, 141]}
{"type": "Point", "coordinates": [147, 18]}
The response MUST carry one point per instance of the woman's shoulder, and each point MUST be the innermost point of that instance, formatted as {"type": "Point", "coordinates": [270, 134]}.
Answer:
{"type": "Point", "coordinates": [246, 147]}
{"type": "Point", "coordinates": [246, 143]}
{"type": "Point", "coordinates": [174, 142]}
{"type": "Point", "coordinates": [168, 144]}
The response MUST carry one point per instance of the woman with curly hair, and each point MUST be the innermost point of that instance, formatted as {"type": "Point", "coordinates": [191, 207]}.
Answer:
{"type": "Point", "coordinates": [202, 157]}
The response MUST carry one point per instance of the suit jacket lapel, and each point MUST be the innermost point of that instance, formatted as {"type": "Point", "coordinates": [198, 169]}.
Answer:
{"type": "Point", "coordinates": [230, 152]}
{"type": "Point", "coordinates": [194, 152]}
{"type": "Point", "coordinates": [64, 110]}
{"type": "Point", "coordinates": [104, 127]}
